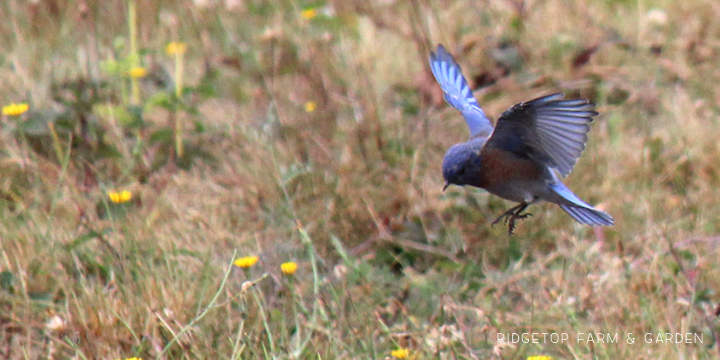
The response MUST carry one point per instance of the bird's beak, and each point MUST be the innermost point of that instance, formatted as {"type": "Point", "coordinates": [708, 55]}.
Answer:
{"type": "Point", "coordinates": [446, 185]}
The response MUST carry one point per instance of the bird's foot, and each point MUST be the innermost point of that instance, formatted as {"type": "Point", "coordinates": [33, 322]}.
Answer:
{"type": "Point", "coordinates": [511, 215]}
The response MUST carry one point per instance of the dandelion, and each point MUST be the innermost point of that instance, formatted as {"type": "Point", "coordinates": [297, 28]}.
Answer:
{"type": "Point", "coordinates": [310, 106]}
{"type": "Point", "coordinates": [309, 14]}
{"type": "Point", "coordinates": [56, 323]}
{"type": "Point", "coordinates": [657, 17]}
{"type": "Point", "coordinates": [246, 286]}
{"type": "Point", "coordinates": [137, 72]}
{"type": "Point", "coordinates": [539, 357]}
{"type": "Point", "coordinates": [400, 353]}
{"type": "Point", "coordinates": [289, 268]}
{"type": "Point", "coordinates": [15, 109]}
{"type": "Point", "coordinates": [134, 358]}
{"type": "Point", "coordinates": [120, 197]}
{"type": "Point", "coordinates": [246, 262]}
{"type": "Point", "coordinates": [175, 48]}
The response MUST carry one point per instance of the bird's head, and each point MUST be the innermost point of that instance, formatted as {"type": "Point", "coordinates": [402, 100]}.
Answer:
{"type": "Point", "coordinates": [460, 165]}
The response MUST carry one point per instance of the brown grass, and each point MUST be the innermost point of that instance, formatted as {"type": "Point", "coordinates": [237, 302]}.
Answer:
{"type": "Point", "coordinates": [352, 190]}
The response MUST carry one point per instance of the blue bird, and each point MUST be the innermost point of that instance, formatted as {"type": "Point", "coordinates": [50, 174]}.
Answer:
{"type": "Point", "coordinates": [521, 158]}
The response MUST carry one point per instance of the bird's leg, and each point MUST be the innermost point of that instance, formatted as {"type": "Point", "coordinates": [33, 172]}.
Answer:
{"type": "Point", "coordinates": [511, 215]}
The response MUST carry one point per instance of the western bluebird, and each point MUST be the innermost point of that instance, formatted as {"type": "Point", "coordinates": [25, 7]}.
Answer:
{"type": "Point", "coordinates": [520, 159]}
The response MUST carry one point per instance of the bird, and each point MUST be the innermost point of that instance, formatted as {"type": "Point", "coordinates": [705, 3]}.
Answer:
{"type": "Point", "coordinates": [522, 158]}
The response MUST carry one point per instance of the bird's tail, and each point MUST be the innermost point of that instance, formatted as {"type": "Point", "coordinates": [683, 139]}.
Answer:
{"type": "Point", "coordinates": [588, 215]}
{"type": "Point", "coordinates": [580, 210]}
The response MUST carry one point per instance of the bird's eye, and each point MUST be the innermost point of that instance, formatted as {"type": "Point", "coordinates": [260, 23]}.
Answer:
{"type": "Point", "coordinates": [461, 171]}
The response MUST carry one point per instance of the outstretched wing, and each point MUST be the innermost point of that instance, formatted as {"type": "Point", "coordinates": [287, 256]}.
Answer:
{"type": "Point", "coordinates": [457, 92]}
{"type": "Point", "coordinates": [549, 130]}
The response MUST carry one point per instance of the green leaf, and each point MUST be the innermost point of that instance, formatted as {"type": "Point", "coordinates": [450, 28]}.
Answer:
{"type": "Point", "coordinates": [108, 151]}
{"type": "Point", "coordinates": [111, 66]}
{"type": "Point", "coordinates": [90, 235]}
{"type": "Point", "coordinates": [37, 123]}
{"type": "Point", "coordinates": [162, 135]}
{"type": "Point", "coordinates": [7, 281]}
{"type": "Point", "coordinates": [192, 110]}
{"type": "Point", "coordinates": [207, 88]}
{"type": "Point", "coordinates": [199, 127]}
{"type": "Point", "coordinates": [135, 119]}
{"type": "Point", "coordinates": [161, 99]}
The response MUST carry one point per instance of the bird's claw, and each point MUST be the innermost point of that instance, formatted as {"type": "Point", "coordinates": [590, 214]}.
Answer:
{"type": "Point", "coordinates": [511, 215]}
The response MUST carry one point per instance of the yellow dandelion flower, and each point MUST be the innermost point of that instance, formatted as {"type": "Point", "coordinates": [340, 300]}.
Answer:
{"type": "Point", "coordinates": [310, 106]}
{"type": "Point", "coordinates": [137, 72]}
{"type": "Point", "coordinates": [119, 197]}
{"type": "Point", "coordinates": [246, 262]}
{"type": "Point", "coordinates": [15, 109]}
{"type": "Point", "coordinates": [288, 268]}
{"type": "Point", "coordinates": [176, 48]}
{"type": "Point", "coordinates": [400, 353]}
{"type": "Point", "coordinates": [134, 358]}
{"type": "Point", "coordinates": [539, 357]}
{"type": "Point", "coordinates": [309, 14]}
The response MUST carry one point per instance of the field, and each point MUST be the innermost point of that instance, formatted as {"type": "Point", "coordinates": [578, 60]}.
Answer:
{"type": "Point", "coordinates": [174, 154]}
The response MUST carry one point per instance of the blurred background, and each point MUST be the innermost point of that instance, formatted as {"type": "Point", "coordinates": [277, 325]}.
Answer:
{"type": "Point", "coordinates": [146, 145]}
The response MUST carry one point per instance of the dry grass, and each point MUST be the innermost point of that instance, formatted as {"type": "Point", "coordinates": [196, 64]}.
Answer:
{"type": "Point", "coordinates": [351, 191]}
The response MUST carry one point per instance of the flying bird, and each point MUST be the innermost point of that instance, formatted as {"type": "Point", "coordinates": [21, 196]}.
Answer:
{"type": "Point", "coordinates": [521, 158]}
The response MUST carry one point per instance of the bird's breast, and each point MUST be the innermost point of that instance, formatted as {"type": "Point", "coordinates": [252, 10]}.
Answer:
{"type": "Point", "coordinates": [510, 176]}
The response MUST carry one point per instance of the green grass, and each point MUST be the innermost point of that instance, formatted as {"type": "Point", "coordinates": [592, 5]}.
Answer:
{"type": "Point", "coordinates": [351, 191]}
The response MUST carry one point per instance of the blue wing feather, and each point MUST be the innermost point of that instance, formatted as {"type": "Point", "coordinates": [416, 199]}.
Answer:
{"type": "Point", "coordinates": [554, 130]}
{"type": "Point", "coordinates": [457, 93]}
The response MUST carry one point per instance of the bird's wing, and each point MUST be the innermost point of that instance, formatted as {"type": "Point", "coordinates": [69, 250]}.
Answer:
{"type": "Point", "coordinates": [549, 130]}
{"type": "Point", "coordinates": [457, 92]}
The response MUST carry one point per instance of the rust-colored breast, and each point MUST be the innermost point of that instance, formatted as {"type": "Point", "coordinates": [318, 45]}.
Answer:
{"type": "Point", "coordinates": [500, 167]}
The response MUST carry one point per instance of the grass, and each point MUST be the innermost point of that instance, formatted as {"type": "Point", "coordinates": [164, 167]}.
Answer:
{"type": "Point", "coordinates": [313, 133]}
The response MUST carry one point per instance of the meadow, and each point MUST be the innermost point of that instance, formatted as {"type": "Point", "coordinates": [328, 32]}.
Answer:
{"type": "Point", "coordinates": [227, 179]}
